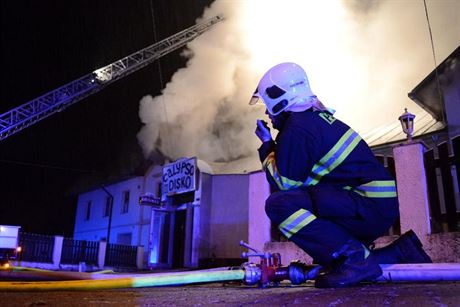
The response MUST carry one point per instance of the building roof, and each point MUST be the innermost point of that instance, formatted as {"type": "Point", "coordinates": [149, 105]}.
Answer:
{"type": "Point", "coordinates": [392, 133]}
{"type": "Point", "coordinates": [427, 95]}
{"type": "Point", "coordinates": [244, 165]}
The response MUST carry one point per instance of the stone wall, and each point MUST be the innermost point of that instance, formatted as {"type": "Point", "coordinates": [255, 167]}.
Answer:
{"type": "Point", "coordinates": [289, 251]}
{"type": "Point", "coordinates": [442, 248]}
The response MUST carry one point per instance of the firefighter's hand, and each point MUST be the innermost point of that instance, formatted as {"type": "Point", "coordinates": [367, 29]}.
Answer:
{"type": "Point", "coordinates": [262, 131]}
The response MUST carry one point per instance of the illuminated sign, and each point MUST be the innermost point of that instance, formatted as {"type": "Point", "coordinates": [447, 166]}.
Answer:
{"type": "Point", "coordinates": [179, 177]}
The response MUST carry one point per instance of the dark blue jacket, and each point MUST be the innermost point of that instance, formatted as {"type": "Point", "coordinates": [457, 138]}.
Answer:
{"type": "Point", "coordinates": [314, 148]}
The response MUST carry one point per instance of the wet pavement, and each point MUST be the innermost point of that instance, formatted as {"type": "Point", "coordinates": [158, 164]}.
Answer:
{"type": "Point", "coordinates": [234, 294]}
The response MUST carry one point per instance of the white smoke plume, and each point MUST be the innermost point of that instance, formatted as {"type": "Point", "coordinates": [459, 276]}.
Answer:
{"type": "Point", "coordinates": [362, 57]}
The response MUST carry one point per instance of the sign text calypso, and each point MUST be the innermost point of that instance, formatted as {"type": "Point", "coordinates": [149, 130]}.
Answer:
{"type": "Point", "coordinates": [179, 176]}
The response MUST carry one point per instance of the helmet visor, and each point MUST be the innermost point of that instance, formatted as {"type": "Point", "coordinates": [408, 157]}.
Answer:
{"type": "Point", "coordinates": [255, 98]}
{"type": "Point", "coordinates": [272, 92]}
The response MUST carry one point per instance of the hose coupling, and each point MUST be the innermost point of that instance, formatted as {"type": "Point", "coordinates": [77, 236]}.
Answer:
{"type": "Point", "coordinates": [252, 273]}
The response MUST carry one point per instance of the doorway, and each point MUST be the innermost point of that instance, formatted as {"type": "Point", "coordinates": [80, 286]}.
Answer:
{"type": "Point", "coordinates": [170, 237]}
{"type": "Point", "coordinates": [179, 238]}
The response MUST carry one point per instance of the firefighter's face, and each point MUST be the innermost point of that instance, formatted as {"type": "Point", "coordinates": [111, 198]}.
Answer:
{"type": "Point", "coordinates": [277, 120]}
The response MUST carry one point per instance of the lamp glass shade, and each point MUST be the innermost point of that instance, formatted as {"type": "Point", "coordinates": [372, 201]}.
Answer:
{"type": "Point", "coordinates": [407, 123]}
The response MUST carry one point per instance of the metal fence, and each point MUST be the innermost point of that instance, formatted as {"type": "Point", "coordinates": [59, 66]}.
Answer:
{"type": "Point", "coordinates": [76, 251]}
{"type": "Point", "coordinates": [442, 165]}
{"type": "Point", "coordinates": [389, 164]}
{"type": "Point", "coordinates": [36, 248]}
{"type": "Point", "coordinates": [118, 255]}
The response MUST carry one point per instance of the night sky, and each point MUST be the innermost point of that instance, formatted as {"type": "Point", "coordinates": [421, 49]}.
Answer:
{"type": "Point", "coordinates": [46, 44]}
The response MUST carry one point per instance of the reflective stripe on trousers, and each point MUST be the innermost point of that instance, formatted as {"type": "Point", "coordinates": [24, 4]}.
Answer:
{"type": "Point", "coordinates": [377, 189]}
{"type": "Point", "coordinates": [295, 222]}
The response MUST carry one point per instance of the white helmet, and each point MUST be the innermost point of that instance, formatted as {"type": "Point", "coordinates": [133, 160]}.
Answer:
{"type": "Point", "coordinates": [284, 87]}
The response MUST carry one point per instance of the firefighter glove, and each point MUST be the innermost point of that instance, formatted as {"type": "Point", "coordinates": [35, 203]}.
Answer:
{"type": "Point", "coordinates": [262, 131]}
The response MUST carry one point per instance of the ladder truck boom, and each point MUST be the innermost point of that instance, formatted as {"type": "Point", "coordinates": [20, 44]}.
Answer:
{"type": "Point", "coordinates": [57, 100]}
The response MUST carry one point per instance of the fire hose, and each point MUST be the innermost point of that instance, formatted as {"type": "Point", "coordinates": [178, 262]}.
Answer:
{"type": "Point", "coordinates": [149, 280]}
{"type": "Point", "coordinates": [269, 272]}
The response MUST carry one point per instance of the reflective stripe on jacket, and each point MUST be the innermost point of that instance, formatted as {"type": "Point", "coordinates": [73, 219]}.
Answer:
{"type": "Point", "coordinates": [315, 148]}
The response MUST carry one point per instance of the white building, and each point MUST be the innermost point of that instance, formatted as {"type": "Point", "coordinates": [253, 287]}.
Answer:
{"type": "Point", "coordinates": [196, 228]}
{"type": "Point", "coordinates": [129, 221]}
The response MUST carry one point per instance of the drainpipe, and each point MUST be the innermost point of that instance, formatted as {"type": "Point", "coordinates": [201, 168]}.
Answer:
{"type": "Point", "coordinates": [110, 213]}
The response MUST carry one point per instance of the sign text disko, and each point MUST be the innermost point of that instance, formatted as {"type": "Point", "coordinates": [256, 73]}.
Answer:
{"type": "Point", "coordinates": [179, 177]}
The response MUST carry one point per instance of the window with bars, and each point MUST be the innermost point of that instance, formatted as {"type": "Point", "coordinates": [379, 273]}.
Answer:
{"type": "Point", "coordinates": [125, 204]}
{"type": "Point", "coordinates": [88, 211]}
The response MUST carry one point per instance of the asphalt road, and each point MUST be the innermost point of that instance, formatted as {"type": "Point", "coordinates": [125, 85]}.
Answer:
{"type": "Point", "coordinates": [232, 294]}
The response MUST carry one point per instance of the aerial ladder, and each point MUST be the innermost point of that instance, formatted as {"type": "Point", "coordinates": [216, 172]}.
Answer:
{"type": "Point", "coordinates": [57, 100]}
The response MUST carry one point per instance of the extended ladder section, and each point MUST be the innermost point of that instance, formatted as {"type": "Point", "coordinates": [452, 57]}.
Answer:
{"type": "Point", "coordinates": [57, 100]}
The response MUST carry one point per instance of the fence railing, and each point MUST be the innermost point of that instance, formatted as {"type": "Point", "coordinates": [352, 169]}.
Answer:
{"type": "Point", "coordinates": [54, 251]}
{"type": "Point", "coordinates": [76, 251]}
{"type": "Point", "coordinates": [442, 168]}
{"type": "Point", "coordinates": [443, 180]}
{"type": "Point", "coordinates": [120, 255]}
{"type": "Point", "coordinates": [36, 247]}
{"type": "Point", "coordinates": [389, 164]}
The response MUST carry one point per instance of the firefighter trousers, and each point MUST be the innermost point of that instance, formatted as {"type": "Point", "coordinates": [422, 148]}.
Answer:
{"type": "Point", "coordinates": [321, 219]}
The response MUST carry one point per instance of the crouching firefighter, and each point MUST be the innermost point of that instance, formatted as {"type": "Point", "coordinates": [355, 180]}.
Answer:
{"type": "Point", "coordinates": [330, 195]}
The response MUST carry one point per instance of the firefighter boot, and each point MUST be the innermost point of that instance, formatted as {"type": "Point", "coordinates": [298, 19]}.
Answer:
{"type": "Point", "coordinates": [351, 267]}
{"type": "Point", "coordinates": [406, 249]}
